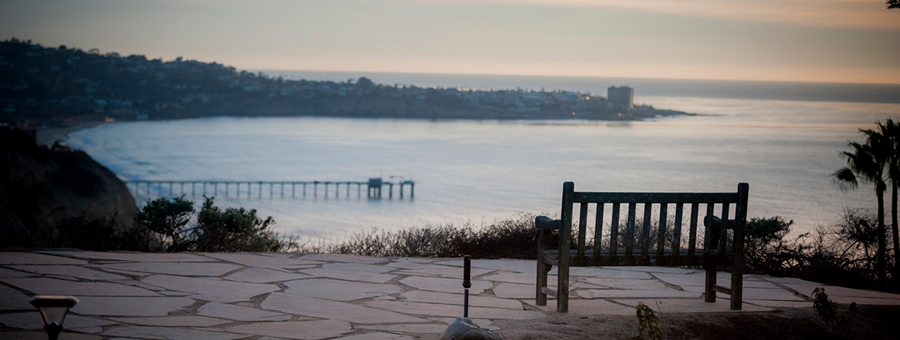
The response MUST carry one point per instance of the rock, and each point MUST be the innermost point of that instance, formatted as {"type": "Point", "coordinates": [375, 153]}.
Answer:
{"type": "Point", "coordinates": [465, 329]}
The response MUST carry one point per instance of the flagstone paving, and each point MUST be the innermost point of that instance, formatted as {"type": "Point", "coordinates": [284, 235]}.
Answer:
{"type": "Point", "coordinates": [276, 296]}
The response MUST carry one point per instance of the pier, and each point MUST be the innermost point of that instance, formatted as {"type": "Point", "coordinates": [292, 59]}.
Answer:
{"type": "Point", "coordinates": [281, 189]}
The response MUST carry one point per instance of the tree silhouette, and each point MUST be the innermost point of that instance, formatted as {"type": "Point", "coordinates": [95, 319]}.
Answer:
{"type": "Point", "coordinates": [891, 4]}
{"type": "Point", "coordinates": [887, 136]}
{"type": "Point", "coordinates": [867, 162]}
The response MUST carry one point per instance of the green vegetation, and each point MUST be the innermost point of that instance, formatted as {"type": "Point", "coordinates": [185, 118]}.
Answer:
{"type": "Point", "coordinates": [827, 311]}
{"type": "Point", "coordinates": [876, 161]}
{"type": "Point", "coordinates": [100, 234]}
{"type": "Point", "coordinates": [510, 238]}
{"type": "Point", "coordinates": [174, 225]}
{"type": "Point", "coordinates": [213, 229]}
{"type": "Point", "coordinates": [648, 321]}
{"type": "Point", "coordinates": [167, 220]}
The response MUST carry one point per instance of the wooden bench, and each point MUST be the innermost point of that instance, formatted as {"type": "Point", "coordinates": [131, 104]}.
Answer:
{"type": "Point", "coordinates": [716, 250]}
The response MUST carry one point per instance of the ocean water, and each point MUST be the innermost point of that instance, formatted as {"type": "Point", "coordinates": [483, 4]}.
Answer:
{"type": "Point", "coordinates": [479, 171]}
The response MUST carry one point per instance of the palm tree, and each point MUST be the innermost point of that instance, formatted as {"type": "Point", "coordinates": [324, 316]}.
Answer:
{"type": "Point", "coordinates": [868, 161]}
{"type": "Point", "coordinates": [890, 133]}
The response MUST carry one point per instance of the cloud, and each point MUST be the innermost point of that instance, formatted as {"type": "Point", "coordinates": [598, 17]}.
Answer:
{"type": "Point", "coordinates": [867, 14]}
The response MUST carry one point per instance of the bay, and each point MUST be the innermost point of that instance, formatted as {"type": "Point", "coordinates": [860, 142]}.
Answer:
{"type": "Point", "coordinates": [479, 171]}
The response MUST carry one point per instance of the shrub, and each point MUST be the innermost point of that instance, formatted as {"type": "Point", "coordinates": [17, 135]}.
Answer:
{"type": "Point", "coordinates": [766, 251]}
{"type": "Point", "coordinates": [179, 227]}
{"type": "Point", "coordinates": [168, 220]}
{"type": "Point", "coordinates": [509, 238]}
{"type": "Point", "coordinates": [233, 229]}
{"type": "Point", "coordinates": [100, 234]}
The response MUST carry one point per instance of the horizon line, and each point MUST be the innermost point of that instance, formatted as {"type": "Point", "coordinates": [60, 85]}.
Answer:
{"type": "Point", "coordinates": [572, 76]}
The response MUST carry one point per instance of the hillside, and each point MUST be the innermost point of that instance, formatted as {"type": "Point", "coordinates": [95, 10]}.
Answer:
{"type": "Point", "coordinates": [47, 86]}
{"type": "Point", "coordinates": [40, 186]}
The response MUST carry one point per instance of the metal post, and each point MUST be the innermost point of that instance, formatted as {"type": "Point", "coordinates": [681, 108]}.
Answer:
{"type": "Point", "coordinates": [282, 189]}
{"type": "Point", "coordinates": [412, 189]}
{"type": "Point", "coordinates": [467, 273]}
{"type": "Point", "coordinates": [271, 185]}
{"type": "Point", "coordinates": [401, 190]}
{"type": "Point", "coordinates": [193, 189]}
{"type": "Point", "coordinates": [293, 190]}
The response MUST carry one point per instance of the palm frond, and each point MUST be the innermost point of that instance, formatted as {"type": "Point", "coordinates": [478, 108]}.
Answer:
{"type": "Point", "coordinates": [845, 179]}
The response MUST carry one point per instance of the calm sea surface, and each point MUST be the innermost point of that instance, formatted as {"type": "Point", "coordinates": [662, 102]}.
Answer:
{"type": "Point", "coordinates": [478, 171]}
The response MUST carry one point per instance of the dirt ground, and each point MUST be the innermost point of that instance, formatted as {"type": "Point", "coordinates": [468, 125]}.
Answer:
{"type": "Point", "coordinates": [868, 322]}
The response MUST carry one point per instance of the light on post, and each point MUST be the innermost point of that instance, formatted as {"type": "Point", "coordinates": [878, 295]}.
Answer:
{"type": "Point", "coordinates": [53, 310]}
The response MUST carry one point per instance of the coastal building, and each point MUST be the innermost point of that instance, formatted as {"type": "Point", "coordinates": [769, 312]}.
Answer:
{"type": "Point", "coordinates": [620, 97]}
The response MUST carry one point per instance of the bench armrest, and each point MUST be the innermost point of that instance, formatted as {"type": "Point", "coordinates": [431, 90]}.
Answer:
{"type": "Point", "coordinates": [545, 223]}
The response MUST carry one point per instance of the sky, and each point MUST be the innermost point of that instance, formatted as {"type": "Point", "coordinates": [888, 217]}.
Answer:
{"type": "Point", "coordinates": [846, 41]}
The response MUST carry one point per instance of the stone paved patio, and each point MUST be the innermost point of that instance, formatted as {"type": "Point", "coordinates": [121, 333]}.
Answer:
{"type": "Point", "coordinates": [327, 296]}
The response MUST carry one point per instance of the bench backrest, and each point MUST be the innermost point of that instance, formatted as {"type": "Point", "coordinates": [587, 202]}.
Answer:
{"type": "Point", "coordinates": [711, 204]}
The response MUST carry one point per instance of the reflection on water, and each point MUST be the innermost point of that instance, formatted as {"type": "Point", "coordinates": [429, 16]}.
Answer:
{"type": "Point", "coordinates": [618, 124]}
{"type": "Point", "coordinates": [482, 170]}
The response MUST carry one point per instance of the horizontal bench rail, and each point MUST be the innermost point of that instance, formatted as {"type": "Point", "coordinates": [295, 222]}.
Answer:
{"type": "Point", "coordinates": [646, 197]}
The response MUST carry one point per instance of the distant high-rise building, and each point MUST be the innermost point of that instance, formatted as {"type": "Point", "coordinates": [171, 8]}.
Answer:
{"type": "Point", "coordinates": [620, 97]}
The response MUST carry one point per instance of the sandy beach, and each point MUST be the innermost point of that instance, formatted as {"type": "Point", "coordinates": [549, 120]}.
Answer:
{"type": "Point", "coordinates": [47, 136]}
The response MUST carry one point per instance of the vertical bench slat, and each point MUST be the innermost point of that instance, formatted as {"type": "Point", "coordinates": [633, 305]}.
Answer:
{"type": "Point", "coordinates": [645, 232]}
{"type": "Point", "coordinates": [629, 231]}
{"type": "Point", "coordinates": [710, 268]}
{"type": "Point", "coordinates": [598, 229]}
{"type": "Point", "coordinates": [692, 238]}
{"type": "Point", "coordinates": [707, 238]}
{"type": "Point", "coordinates": [661, 239]}
{"type": "Point", "coordinates": [582, 228]}
{"type": "Point", "coordinates": [723, 233]}
{"type": "Point", "coordinates": [614, 233]}
{"type": "Point", "coordinates": [737, 275]}
{"type": "Point", "coordinates": [565, 236]}
{"type": "Point", "coordinates": [710, 208]}
{"type": "Point", "coordinates": [676, 240]}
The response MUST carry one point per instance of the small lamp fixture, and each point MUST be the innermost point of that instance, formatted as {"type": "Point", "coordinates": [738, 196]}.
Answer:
{"type": "Point", "coordinates": [53, 309]}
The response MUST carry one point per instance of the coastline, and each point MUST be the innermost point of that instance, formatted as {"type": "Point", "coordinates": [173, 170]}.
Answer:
{"type": "Point", "coordinates": [46, 136]}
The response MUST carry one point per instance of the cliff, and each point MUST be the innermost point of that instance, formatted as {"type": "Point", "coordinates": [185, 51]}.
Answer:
{"type": "Point", "coordinates": [39, 186]}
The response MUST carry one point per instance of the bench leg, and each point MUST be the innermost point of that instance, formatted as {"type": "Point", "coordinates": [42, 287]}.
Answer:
{"type": "Point", "coordinates": [710, 283]}
{"type": "Point", "coordinates": [562, 288]}
{"type": "Point", "coordinates": [542, 270]}
{"type": "Point", "coordinates": [737, 288]}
